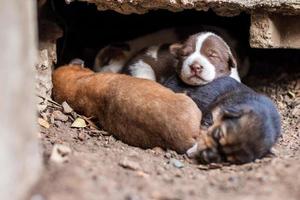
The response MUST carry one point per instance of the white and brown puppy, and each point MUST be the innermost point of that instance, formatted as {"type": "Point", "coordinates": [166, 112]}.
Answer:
{"type": "Point", "coordinates": [199, 60]}
{"type": "Point", "coordinates": [113, 57]}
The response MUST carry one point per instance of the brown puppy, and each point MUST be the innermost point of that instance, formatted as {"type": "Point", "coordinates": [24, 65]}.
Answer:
{"type": "Point", "coordinates": [139, 112]}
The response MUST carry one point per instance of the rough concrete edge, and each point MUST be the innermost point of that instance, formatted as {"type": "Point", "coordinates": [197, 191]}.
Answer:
{"type": "Point", "coordinates": [221, 7]}
{"type": "Point", "coordinates": [34, 153]}
{"type": "Point", "coordinates": [260, 31]}
{"type": "Point", "coordinates": [21, 159]}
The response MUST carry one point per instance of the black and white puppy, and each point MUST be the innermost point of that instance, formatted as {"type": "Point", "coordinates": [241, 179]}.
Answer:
{"type": "Point", "coordinates": [200, 59]}
{"type": "Point", "coordinates": [153, 63]}
{"type": "Point", "coordinates": [240, 124]}
{"type": "Point", "coordinates": [113, 57]}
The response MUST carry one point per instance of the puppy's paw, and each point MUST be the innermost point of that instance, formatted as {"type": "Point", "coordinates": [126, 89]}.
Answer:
{"type": "Point", "coordinates": [205, 150]}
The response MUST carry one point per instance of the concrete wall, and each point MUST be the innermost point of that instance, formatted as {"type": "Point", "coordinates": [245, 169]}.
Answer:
{"type": "Point", "coordinates": [274, 31]}
{"type": "Point", "coordinates": [274, 23]}
{"type": "Point", "coordinates": [20, 159]}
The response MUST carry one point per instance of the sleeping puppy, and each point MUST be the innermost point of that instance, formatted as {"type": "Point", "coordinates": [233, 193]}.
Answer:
{"type": "Point", "coordinates": [240, 125]}
{"type": "Point", "coordinates": [112, 58]}
{"type": "Point", "coordinates": [199, 60]}
{"type": "Point", "coordinates": [139, 112]}
{"type": "Point", "coordinates": [154, 63]}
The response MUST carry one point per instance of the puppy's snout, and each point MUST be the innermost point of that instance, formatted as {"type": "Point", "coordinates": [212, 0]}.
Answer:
{"type": "Point", "coordinates": [196, 68]}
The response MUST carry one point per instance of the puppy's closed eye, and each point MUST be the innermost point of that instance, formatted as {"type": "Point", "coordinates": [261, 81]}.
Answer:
{"type": "Point", "coordinates": [236, 112]}
{"type": "Point", "coordinates": [213, 54]}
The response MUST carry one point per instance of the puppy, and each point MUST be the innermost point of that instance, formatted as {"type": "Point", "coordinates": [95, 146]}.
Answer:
{"type": "Point", "coordinates": [240, 125]}
{"type": "Point", "coordinates": [139, 112]}
{"type": "Point", "coordinates": [199, 60]}
{"type": "Point", "coordinates": [154, 63]}
{"type": "Point", "coordinates": [113, 58]}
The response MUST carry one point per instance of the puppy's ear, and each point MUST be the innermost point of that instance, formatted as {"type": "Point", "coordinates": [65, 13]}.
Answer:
{"type": "Point", "coordinates": [236, 112]}
{"type": "Point", "coordinates": [174, 48]}
{"type": "Point", "coordinates": [231, 61]}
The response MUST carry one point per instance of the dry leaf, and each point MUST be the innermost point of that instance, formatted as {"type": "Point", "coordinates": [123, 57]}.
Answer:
{"type": "Point", "coordinates": [78, 123]}
{"type": "Point", "coordinates": [43, 123]}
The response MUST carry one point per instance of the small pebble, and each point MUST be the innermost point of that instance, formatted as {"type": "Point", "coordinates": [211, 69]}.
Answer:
{"type": "Point", "coordinates": [142, 174]}
{"type": "Point", "coordinates": [176, 163]}
{"type": "Point", "coordinates": [203, 167]}
{"type": "Point", "coordinates": [40, 100]}
{"type": "Point", "coordinates": [168, 155]}
{"type": "Point", "coordinates": [60, 153]}
{"type": "Point", "coordinates": [81, 136]}
{"type": "Point", "coordinates": [66, 108]}
{"type": "Point", "coordinates": [43, 123]}
{"type": "Point", "coordinates": [41, 107]}
{"type": "Point", "coordinates": [59, 116]}
{"type": "Point", "coordinates": [158, 150]}
{"type": "Point", "coordinates": [296, 111]}
{"type": "Point", "coordinates": [128, 164]}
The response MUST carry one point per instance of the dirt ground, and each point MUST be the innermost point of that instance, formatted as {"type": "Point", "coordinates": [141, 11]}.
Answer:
{"type": "Point", "coordinates": [101, 167]}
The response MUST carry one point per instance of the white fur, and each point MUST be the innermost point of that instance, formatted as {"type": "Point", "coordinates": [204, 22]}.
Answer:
{"type": "Point", "coordinates": [152, 51]}
{"type": "Point", "coordinates": [114, 66]}
{"type": "Point", "coordinates": [208, 73]}
{"type": "Point", "coordinates": [192, 151]}
{"type": "Point", "coordinates": [234, 71]}
{"type": "Point", "coordinates": [137, 44]}
{"type": "Point", "coordinates": [141, 69]}
{"type": "Point", "coordinates": [234, 74]}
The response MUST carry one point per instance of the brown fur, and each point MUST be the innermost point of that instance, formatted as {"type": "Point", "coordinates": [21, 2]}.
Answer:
{"type": "Point", "coordinates": [139, 112]}
{"type": "Point", "coordinates": [219, 55]}
{"type": "Point", "coordinates": [111, 53]}
{"type": "Point", "coordinates": [213, 48]}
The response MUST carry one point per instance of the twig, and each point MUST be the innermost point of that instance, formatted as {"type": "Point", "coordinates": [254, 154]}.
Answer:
{"type": "Point", "coordinates": [49, 100]}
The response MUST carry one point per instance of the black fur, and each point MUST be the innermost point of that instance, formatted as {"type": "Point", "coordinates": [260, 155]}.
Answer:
{"type": "Point", "coordinates": [235, 100]}
{"type": "Point", "coordinates": [206, 95]}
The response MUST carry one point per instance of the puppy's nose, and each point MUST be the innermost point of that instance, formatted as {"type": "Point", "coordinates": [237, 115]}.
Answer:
{"type": "Point", "coordinates": [196, 68]}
